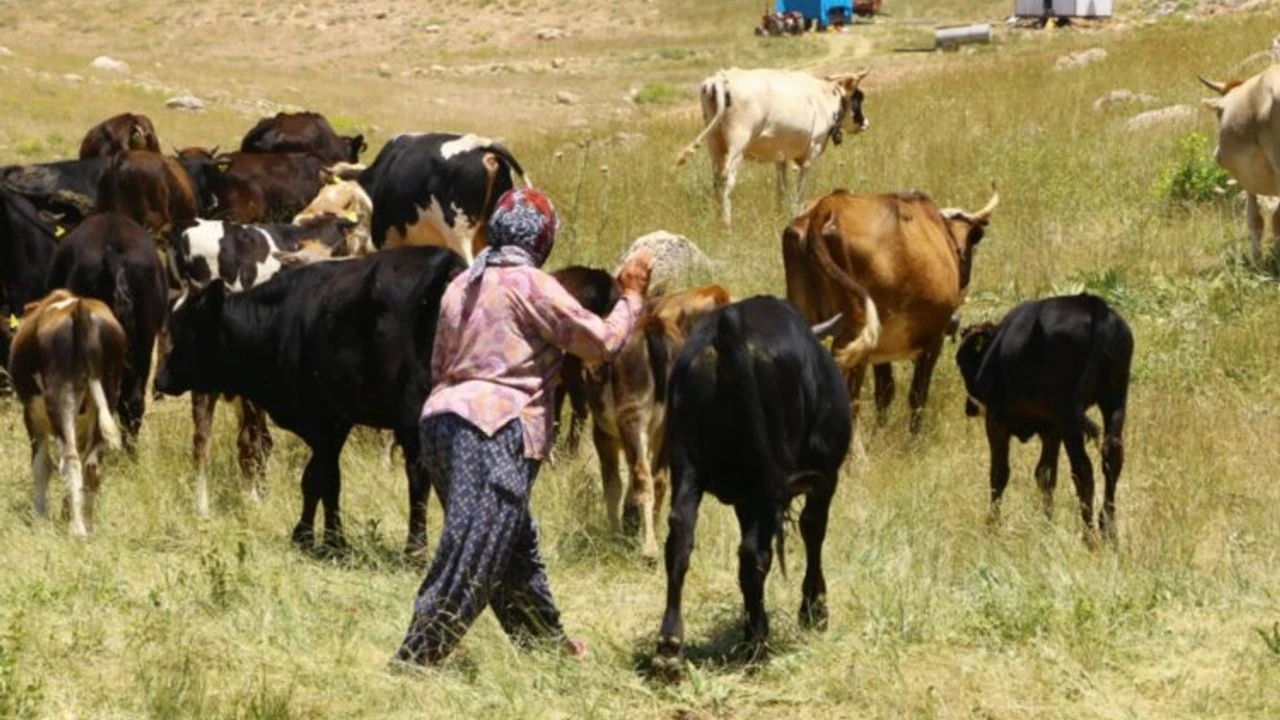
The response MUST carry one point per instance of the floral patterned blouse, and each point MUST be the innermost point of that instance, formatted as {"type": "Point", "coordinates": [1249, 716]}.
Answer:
{"type": "Point", "coordinates": [499, 346]}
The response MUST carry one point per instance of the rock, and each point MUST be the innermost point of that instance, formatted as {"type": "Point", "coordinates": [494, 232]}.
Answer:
{"type": "Point", "coordinates": [5, 52]}
{"type": "Point", "coordinates": [579, 123]}
{"type": "Point", "coordinates": [184, 102]}
{"type": "Point", "coordinates": [628, 138]}
{"type": "Point", "coordinates": [1152, 118]}
{"type": "Point", "coordinates": [564, 97]}
{"type": "Point", "coordinates": [550, 34]}
{"type": "Point", "coordinates": [384, 70]}
{"type": "Point", "coordinates": [1164, 9]}
{"type": "Point", "coordinates": [432, 29]}
{"type": "Point", "coordinates": [558, 63]}
{"type": "Point", "coordinates": [438, 68]}
{"type": "Point", "coordinates": [102, 62]}
{"type": "Point", "coordinates": [1121, 97]}
{"type": "Point", "coordinates": [1080, 59]}
{"type": "Point", "coordinates": [73, 78]}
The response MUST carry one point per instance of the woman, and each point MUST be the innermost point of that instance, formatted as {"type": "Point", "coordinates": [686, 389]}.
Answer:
{"type": "Point", "coordinates": [504, 326]}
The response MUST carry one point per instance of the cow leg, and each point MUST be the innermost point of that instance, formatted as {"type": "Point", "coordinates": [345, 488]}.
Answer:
{"type": "Point", "coordinates": [681, 523]}
{"type": "Point", "coordinates": [802, 178]}
{"type": "Point", "coordinates": [755, 555]}
{"type": "Point", "coordinates": [578, 410]}
{"type": "Point", "coordinates": [1047, 470]}
{"type": "Point", "coordinates": [813, 528]}
{"type": "Point", "coordinates": [331, 491]}
{"type": "Point", "coordinates": [202, 445]}
{"type": "Point", "coordinates": [253, 444]}
{"type": "Point", "coordinates": [419, 490]}
{"type": "Point", "coordinates": [782, 184]}
{"type": "Point", "coordinates": [855, 378]}
{"type": "Point", "coordinates": [41, 469]}
{"type": "Point", "coordinates": [1253, 219]}
{"type": "Point", "coordinates": [607, 450]}
{"type": "Point", "coordinates": [1112, 464]}
{"type": "Point", "coordinates": [63, 418]}
{"type": "Point", "coordinates": [320, 484]}
{"type": "Point", "coordinates": [1082, 474]}
{"type": "Point", "coordinates": [728, 180]}
{"type": "Point", "coordinates": [1275, 230]}
{"type": "Point", "coordinates": [920, 380]}
{"type": "Point", "coordinates": [133, 403]}
{"type": "Point", "coordinates": [635, 446]}
{"type": "Point", "coordinates": [92, 483]}
{"type": "Point", "coordinates": [885, 390]}
{"type": "Point", "coordinates": [998, 442]}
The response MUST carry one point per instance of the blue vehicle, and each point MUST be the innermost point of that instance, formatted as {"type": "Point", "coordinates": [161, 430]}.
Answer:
{"type": "Point", "coordinates": [824, 12]}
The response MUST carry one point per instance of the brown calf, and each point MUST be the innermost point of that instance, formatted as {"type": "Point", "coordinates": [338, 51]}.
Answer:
{"type": "Point", "coordinates": [126, 131]}
{"type": "Point", "coordinates": [628, 399]}
{"type": "Point", "coordinates": [67, 363]}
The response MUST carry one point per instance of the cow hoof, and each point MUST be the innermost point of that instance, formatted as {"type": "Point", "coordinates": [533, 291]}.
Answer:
{"type": "Point", "coordinates": [813, 616]}
{"type": "Point", "coordinates": [630, 519]}
{"type": "Point", "coordinates": [303, 537]}
{"type": "Point", "coordinates": [668, 660]}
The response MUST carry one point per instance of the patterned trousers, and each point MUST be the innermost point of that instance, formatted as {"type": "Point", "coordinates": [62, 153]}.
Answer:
{"type": "Point", "coordinates": [488, 551]}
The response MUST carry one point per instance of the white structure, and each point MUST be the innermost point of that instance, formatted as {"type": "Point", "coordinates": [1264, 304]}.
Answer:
{"type": "Point", "coordinates": [1063, 8]}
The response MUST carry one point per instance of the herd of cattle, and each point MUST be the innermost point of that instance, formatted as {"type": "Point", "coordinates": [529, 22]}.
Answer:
{"type": "Point", "coordinates": [308, 285]}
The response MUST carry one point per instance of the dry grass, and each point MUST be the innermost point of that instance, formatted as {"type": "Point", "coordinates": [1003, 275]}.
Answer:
{"type": "Point", "coordinates": [933, 615]}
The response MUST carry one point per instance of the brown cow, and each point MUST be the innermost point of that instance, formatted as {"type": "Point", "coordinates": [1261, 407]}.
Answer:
{"type": "Point", "coordinates": [126, 131]}
{"type": "Point", "coordinates": [306, 132]}
{"type": "Point", "coordinates": [152, 190]}
{"type": "Point", "coordinates": [896, 267]}
{"type": "Point", "coordinates": [67, 365]}
{"type": "Point", "coordinates": [255, 187]}
{"type": "Point", "coordinates": [628, 398]}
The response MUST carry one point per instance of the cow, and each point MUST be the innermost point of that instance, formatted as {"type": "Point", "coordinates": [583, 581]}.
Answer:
{"type": "Point", "coordinates": [344, 198]}
{"type": "Point", "coordinates": [68, 188]}
{"type": "Point", "coordinates": [896, 268]}
{"type": "Point", "coordinates": [67, 365]}
{"type": "Point", "coordinates": [1037, 372]}
{"type": "Point", "coordinates": [242, 256]}
{"type": "Point", "coordinates": [111, 258]}
{"type": "Point", "coordinates": [757, 413]}
{"type": "Point", "coordinates": [597, 291]}
{"type": "Point", "coordinates": [1249, 144]}
{"type": "Point", "coordinates": [126, 131]}
{"type": "Point", "coordinates": [153, 190]}
{"type": "Point", "coordinates": [436, 189]}
{"type": "Point", "coordinates": [255, 187]}
{"type": "Point", "coordinates": [627, 397]}
{"type": "Point", "coordinates": [781, 116]}
{"type": "Point", "coordinates": [28, 239]}
{"type": "Point", "coordinates": [305, 132]}
{"type": "Point", "coordinates": [323, 348]}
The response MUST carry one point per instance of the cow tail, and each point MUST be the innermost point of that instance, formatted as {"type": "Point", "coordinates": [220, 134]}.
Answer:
{"type": "Point", "coordinates": [718, 90]}
{"type": "Point", "coordinates": [851, 355]}
{"type": "Point", "coordinates": [86, 349]}
{"type": "Point", "coordinates": [513, 165]}
{"type": "Point", "coordinates": [731, 348]}
{"type": "Point", "coordinates": [121, 300]}
{"type": "Point", "coordinates": [1092, 368]}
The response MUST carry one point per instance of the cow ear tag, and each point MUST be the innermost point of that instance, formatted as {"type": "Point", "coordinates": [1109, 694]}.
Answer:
{"type": "Point", "coordinates": [59, 231]}
{"type": "Point", "coordinates": [828, 342]}
{"type": "Point", "coordinates": [351, 216]}
{"type": "Point", "coordinates": [13, 321]}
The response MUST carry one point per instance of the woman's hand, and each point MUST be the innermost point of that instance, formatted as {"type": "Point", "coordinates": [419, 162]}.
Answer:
{"type": "Point", "coordinates": [634, 276]}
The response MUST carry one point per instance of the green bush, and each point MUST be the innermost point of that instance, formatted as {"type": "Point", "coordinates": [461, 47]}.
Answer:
{"type": "Point", "coordinates": [1194, 177]}
{"type": "Point", "coordinates": [656, 94]}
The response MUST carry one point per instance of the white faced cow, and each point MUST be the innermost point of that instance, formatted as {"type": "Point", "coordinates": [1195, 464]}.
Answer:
{"type": "Point", "coordinates": [778, 116]}
{"type": "Point", "coordinates": [1249, 143]}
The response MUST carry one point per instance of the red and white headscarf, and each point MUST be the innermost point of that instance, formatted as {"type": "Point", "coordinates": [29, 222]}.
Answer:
{"type": "Point", "coordinates": [521, 231]}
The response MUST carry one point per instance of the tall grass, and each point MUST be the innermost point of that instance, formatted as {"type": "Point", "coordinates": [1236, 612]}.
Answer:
{"type": "Point", "coordinates": [933, 614]}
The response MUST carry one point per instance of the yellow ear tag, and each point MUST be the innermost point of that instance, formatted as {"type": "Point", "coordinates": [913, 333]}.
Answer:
{"type": "Point", "coordinates": [351, 216]}
{"type": "Point", "coordinates": [334, 179]}
{"type": "Point", "coordinates": [13, 321]}
{"type": "Point", "coordinates": [59, 231]}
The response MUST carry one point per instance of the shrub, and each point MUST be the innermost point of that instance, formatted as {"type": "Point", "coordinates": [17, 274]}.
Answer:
{"type": "Point", "coordinates": [1194, 177]}
{"type": "Point", "coordinates": [656, 94]}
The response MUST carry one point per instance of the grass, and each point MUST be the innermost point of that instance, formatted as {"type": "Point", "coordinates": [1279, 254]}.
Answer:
{"type": "Point", "coordinates": [933, 614]}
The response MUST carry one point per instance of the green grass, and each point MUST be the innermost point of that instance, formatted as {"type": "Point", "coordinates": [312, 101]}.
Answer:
{"type": "Point", "coordinates": [933, 614]}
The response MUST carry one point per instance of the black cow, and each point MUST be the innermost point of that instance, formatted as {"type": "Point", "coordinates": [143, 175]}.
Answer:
{"type": "Point", "coordinates": [1036, 373]}
{"type": "Point", "coordinates": [436, 189]}
{"type": "Point", "coordinates": [28, 238]}
{"type": "Point", "coordinates": [597, 291]}
{"type": "Point", "coordinates": [111, 258]}
{"type": "Point", "coordinates": [758, 413]}
{"type": "Point", "coordinates": [323, 348]}
{"type": "Point", "coordinates": [66, 187]}
{"type": "Point", "coordinates": [307, 132]}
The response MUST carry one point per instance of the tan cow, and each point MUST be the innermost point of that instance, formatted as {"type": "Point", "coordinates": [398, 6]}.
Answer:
{"type": "Point", "coordinates": [784, 117]}
{"type": "Point", "coordinates": [896, 267]}
{"type": "Point", "coordinates": [67, 362]}
{"type": "Point", "coordinates": [1249, 143]}
{"type": "Point", "coordinates": [627, 398]}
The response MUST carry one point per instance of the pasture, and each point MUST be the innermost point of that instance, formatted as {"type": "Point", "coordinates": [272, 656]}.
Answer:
{"type": "Point", "coordinates": [933, 614]}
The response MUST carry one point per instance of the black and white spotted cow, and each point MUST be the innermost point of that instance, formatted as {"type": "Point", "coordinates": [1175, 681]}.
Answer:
{"type": "Point", "coordinates": [436, 189]}
{"type": "Point", "coordinates": [243, 256]}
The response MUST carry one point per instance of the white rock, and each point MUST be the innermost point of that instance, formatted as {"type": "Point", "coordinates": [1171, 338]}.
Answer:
{"type": "Point", "coordinates": [432, 29]}
{"type": "Point", "coordinates": [1151, 118]}
{"type": "Point", "coordinates": [564, 97]}
{"type": "Point", "coordinates": [184, 102]}
{"type": "Point", "coordinates": [1120, 97]}
{"type": "Point", "coordinates": [384, 70]}
{"type": "Point", "coordinates": [102, 62]}
{"type": "Point", "coordinates": [73, 78]}
{"type": "Point", "coordinates": [1080, 59]}
{"type": "Point", "coordinates": [550, 34]}
{"type": "Point", "coordinates": [5, 52]}
{"type": "Point", "coordinates": [558, 63]}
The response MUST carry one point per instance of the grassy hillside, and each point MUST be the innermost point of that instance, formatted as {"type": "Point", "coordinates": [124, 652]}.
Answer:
{"type": "Point", "coordinates": [164, 615]}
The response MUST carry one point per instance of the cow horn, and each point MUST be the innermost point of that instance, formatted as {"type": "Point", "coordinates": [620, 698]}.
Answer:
{"type": "Point", "coordinates": [823, 329]}
{"type": "Point", "coordinates": [1218, 87]}
{"type": "Point", "coordinates": [985, 213]}
{"type": "Point", "coordinates": [858, 76]}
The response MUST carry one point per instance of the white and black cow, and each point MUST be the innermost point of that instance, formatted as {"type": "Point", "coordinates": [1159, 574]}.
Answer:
{"type": "Point", "coordinates": [436, 189]}
{"type": "Point", "coordinates": [243, 256]}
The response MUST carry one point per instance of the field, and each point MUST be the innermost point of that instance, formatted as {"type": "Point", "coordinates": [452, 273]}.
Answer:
{"type": "Point", "coordinates": [933, 614]}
